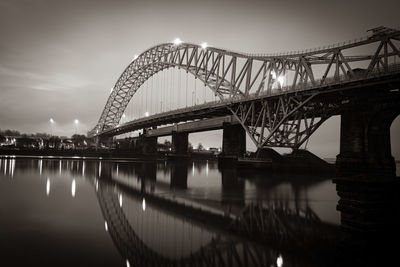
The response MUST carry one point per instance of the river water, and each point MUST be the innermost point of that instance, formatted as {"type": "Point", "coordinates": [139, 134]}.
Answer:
{"type": "Point", "coordinates": [91, 212]}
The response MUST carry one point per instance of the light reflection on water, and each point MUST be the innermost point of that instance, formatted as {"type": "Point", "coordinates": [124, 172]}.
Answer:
{"type": "Point", "coordinates": [73, 190]}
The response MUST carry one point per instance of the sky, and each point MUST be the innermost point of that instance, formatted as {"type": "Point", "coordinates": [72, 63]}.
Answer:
{"type": "Point", "coordinates": [59, 59]}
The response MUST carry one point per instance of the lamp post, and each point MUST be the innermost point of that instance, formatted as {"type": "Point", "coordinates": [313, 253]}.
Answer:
{"type": "Point", "coordinates": [51, 133]}
{"type": "Point", "coordinates": [76, 122]}
{"type": "Point", "coordinates": [51, 126]}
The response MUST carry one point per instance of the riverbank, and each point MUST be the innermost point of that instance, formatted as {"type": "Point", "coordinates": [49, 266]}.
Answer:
{"type": "Point", "coordinates": [102, 154]}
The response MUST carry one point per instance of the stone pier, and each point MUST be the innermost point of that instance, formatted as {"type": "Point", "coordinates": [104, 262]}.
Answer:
{"type": "Point", "coordinates": [233, 140]}
{"type": "Point", "coordinates": [180, 143]}
{"type": "Point", "coordinates": [365, 141]}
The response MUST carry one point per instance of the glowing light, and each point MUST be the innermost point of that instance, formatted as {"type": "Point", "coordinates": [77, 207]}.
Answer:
{"type": "Point", "coordinates": [144, 204]}
{"type": "Point", "coordinates": [106, 226]}
{"type": "Point", "coordinates": [12, 167]}
{"type": "Point", "coordinates": [273, 74]}
{"type": "Point", "coordinates": [40, 167]}
{"type": "Point", "coordinates": [120, 200]}
{"type": "Point", "coordinates": [73, 188]}
{"type": "Point", "coordinates": [111, 90]}
{"type": "Point", "coordinates": [123, 116]}
{"type": "Point", "coordinates": [279, 261]}
{"type": "Point", "coordinates": [146, 114]}
{"type": "Point", "coordinates": [177, 41]}
{"type": "Point", "coordinates": [97, 186]}
{"type": "Point", "coordinates": [281, 80]}
{"type": "Point", "coordinates": [135, 57]}
{"type": "Point", "coordinates": [76, 121]}
{"type": "Point", "coordinates": [128, 264]}
{"type": "Point", "coordinates": [51, 120]}
{"type": "Point", "coordinates": [204, 45]}
{"type": "Point", "coordinates": [207, 168]}
{"type": "Point", "coordinates": [48, 186]}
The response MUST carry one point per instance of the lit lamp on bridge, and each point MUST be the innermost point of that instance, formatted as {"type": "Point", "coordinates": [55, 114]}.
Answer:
{"type": "Point", "coordinates": [76, 122]}
{"type": "Point", "coordinates": [204, 45]}
{"type": "Point", "coordinates": [146, 114]}
{"type": "Point", "coordinates": [281, 80]}
{"type": "Point", "coordinates": [177, 41]}
{"type": "Point", "coordinates": [51, 125]}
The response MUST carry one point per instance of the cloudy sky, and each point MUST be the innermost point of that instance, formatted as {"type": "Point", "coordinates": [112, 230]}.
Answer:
{"type": "Point", "coordinates": [59, 59]}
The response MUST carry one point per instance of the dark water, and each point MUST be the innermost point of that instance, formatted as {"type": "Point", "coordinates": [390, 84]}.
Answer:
{"type": "Point", "coordinates": [75, 212]}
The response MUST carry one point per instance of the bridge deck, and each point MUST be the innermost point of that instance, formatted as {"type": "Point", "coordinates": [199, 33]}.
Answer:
{"type": "Point", "coordinates": [336, 90]}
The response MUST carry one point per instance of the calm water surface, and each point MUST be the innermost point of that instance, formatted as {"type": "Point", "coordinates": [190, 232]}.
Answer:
{"type": "Point", "coordinates": [75, 212]}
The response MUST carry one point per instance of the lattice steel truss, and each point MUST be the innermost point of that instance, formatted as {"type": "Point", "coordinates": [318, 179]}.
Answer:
{"type": "Point", "coordinates": [267, 93]}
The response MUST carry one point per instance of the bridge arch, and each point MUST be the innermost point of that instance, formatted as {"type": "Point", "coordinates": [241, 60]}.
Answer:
{"type": "Point", "coordinates": [244, 83]}
{"type": "Point", "coordinates": [192, 58]}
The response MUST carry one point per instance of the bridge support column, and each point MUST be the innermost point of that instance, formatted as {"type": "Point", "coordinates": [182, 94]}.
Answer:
{"type": "Point", "coordinates": [180, 143]}
{"type": "Point", "coordinates": [365, 141]}
{"type": "Point", "coordinates": [368, 187]}
{"type": "Point", "coordinates": [233, 140]}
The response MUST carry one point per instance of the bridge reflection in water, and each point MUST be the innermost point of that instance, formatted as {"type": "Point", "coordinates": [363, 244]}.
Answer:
{"type": "Point", "coordinates": [152, 226]}
{"type": "Point", "coordinates": [190, 213]}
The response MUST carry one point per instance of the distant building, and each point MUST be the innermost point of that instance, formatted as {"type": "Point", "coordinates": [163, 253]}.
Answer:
{"type": "Point", "coordinates": [28, 142]}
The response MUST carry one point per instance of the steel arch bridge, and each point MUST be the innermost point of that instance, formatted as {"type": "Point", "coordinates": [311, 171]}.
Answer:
{"type": "Point", "coordinates": [279, 99]}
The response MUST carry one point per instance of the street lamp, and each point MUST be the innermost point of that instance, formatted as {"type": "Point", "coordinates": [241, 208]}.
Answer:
{"type": "Point", "coordinates": [51, 125]}
{"type": "Point", "coordinates": [76, 121]}
{"type": "Point", "coordinates": [204, 45]}
{"type": "Point", "coordinates": [177, 41]}
{"type": "Point", "coordinates": [281, 80]}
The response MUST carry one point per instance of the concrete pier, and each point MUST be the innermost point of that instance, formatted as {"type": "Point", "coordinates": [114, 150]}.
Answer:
{"type": "Point", "coordinates": [233, 140]}
{"type": "Point", "coordinates": [180, 143]}
{"type": "Point", "coordinates": [365, 141]}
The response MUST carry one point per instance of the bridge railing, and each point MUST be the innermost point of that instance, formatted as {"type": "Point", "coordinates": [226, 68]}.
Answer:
{"type": "Point", "coordinates": [329, 81]}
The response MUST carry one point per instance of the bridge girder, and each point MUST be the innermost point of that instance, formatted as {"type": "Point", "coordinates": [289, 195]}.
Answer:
{"type": "Point", "coordinates": [237, 77]}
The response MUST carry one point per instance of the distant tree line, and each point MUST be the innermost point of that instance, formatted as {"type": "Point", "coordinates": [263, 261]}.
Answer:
{"type": "Point", "coordinates": [48, 140]}
{"type": "Point", "coordinates": [9, 132]}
